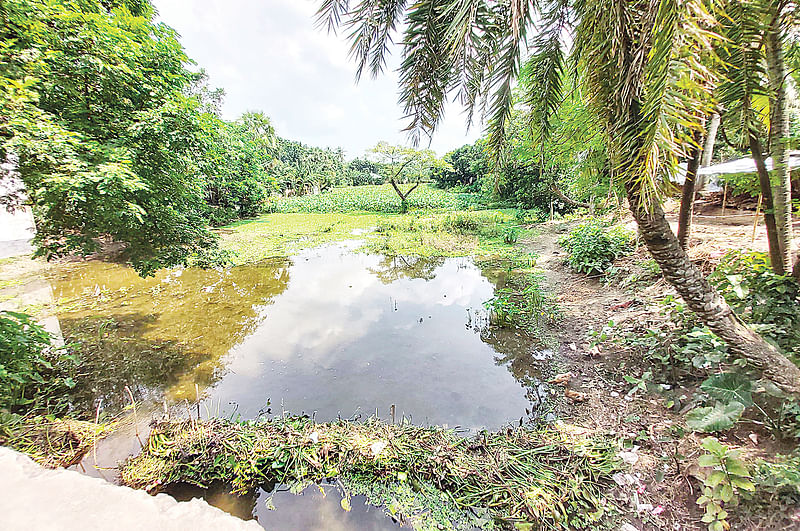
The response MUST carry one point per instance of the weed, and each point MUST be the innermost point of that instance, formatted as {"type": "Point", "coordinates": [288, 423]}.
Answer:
{"type": "Point", "coordinates": [544, 478]}
{"type": "Point", "coordinates": [34, 375]}
{"type": "Point", "coordinates": [594, 245]}
{"type": "Point", "coordinates": [721, 487]}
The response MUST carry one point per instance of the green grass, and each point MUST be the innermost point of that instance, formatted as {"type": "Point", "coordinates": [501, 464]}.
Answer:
{"type": "Point", "coordinates": [421, 233]}
{"type": "Point", "coordinates": [274, 235]}
{"type": "Point", "coordinates": [373, 199]}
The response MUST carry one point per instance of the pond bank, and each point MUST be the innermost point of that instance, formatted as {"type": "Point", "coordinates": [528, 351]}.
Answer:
{"type": "Point", "coordinates": [546, 477]}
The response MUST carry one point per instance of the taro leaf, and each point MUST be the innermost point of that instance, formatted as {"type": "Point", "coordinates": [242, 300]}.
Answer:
{"type": "Point", "coordinates": [729, 387]}
{"type": "Point", "coordinates": [717, 418]}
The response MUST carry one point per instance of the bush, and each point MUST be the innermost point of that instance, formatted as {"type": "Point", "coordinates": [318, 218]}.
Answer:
{"type": "Point", "coordinates": [768, 301]}
{"type": "Point", "coordinates": [594, 245]}
{"type": "Point", "coordinates": [33, 374]}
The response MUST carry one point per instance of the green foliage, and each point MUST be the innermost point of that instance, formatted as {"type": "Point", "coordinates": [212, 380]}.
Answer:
{"type": "Point", "coordinates": [728, 477]}
{"type": "Point", "coordinates": [510, 235]}
{"type": "Point", "coordinates": [95, 111]}
{"type": "Point", "coordinates": [34, 376]}
{"type": "Point", "coordinates": [729, 387]}
{"type": "Point", "coordinates": [594, 245]}
{"type": "Point", "coordinates": [759, 296]}
{"type": "Point", "coordinates": [720, 417]}
{"type": "Point", "coordinates": [525, 303]}
{"type": "Point", "coordinates": [370, 199]}
{"type": "Point", "coordinates": [236, 165]}
{"type": "Point", "coordinates": [301, 169]}
{"type": "Point", "coordinates": [741, 184]}
{"type": "Point", "coordinates": [778, 481]}
{"type": "Point", "coordinates": [465, 166]}
{"type": "Point", "coordinates": [361, 172]}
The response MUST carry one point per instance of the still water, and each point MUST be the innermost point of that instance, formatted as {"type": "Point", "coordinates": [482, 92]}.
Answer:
{"type": "Point", "coordinates": [328, 333]}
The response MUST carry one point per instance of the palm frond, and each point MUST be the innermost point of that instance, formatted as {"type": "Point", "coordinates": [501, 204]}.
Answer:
{"type": "Point", "coordinates": [372, 24]}
{"type": "Point", "coordinates": [330, 12]}
{"type": "Point", "coordinates": [541, 81]}
{"type": "Point", "coordinates": [643, 70]}
{"type": "Point", "coordinates": [425, 71]}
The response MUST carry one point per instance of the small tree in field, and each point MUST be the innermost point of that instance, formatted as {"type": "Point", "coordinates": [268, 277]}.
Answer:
{"type": "Point", "coordinates": [404, 165]}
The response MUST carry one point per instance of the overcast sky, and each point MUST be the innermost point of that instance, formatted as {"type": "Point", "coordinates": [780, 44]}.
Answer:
{"type": "Point", "coordinates": [268, 56]}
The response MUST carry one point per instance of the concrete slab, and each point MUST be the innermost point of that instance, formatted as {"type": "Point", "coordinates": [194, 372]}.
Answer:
{"type": "Point", "coordinates": [35, 498]}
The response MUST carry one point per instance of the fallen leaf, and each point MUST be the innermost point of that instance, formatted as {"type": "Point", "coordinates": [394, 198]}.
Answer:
{"type": "Point", "coordinates": [561, 379]}
{"type": "Point", "coordinates": [575, 396]}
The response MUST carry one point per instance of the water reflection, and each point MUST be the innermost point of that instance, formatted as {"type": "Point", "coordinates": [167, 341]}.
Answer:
{"type": "Point", "coordinates": [317, 507]}
{"type": "Point", "coordinates": [329, 333]}
{"type": "Point", "coordinates": [164, 334]}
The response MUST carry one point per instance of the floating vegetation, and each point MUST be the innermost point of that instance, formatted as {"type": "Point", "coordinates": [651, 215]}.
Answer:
{"type": "Point", "coordinates": [528, 478]}
{"type": "Point", "coordinates": [375, 198]}
{"type": "Point", "coordinates": [56, 443]}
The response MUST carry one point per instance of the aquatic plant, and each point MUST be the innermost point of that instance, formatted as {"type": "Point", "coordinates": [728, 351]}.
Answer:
{"type": "Point", "coordinates": [547, 478]}
{"type": "Point", "coordinates": [371, 199]}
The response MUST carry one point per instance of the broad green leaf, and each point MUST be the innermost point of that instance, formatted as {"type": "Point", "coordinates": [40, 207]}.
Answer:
{"type": "Point", "coordinates": [743, 483]}
{"type": "Point", "coordinates": [715, 478]}
{"type": "Point", "coordinates": [736, 468]}
{"type": "Point", "coordinates": [707, 460]}
{"type": "Point", "coordinates": [717, 418]}
{"type": "Point", "coordinates": [729, 387]}
{"type": "Point", "coordinates": [713, 446]}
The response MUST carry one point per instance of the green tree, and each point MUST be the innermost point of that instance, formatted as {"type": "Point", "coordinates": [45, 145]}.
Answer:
{"type": "Point", "coordinates": [363, 171]}
{"type": "Point", "coordinates": [303, 169]}
{"type": "Point", "coordinates": [93, 108]}
{"type": "Point", "coordinates": [754, 92]}
{"type": "Point", "coordinates": [465, 166]}
{"type": "Point", "coordinates": [402, 165]}
{"type": "Point", "coordinates": [237, 166]}
{"type": "Point", "coordinates": [639, 66]}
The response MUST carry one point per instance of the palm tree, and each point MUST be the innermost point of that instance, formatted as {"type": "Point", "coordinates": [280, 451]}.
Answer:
{"type": "Point", "coordinates": [754, 94]}
{"type": "Point", "coordinates": [629, 53]}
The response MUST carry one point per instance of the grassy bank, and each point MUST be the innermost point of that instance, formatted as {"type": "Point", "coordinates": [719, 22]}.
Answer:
{"type": "Point", "coordinates": [486, 233]}
{"type": "Point", "coordinates": [545, 478]}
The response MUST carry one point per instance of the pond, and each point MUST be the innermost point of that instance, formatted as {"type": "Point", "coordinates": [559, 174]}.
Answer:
{"type": "Point", "coordinates": [329, 333]}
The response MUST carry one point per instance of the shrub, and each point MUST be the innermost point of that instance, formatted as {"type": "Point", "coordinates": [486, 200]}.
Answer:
{"type": "Point", "coordinates": [594, 245]}
{"type": "Point", "coordinates": [33, 374]}
{"type": "Point", "coordinates": [768, 301]}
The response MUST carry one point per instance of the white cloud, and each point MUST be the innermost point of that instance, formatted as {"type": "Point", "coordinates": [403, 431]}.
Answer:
{"type": "Point", "coordinates": [268, 55]}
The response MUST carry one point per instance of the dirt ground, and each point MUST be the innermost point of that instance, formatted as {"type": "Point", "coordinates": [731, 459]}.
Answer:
{"type": "Point", "coordinates": [661, 489]}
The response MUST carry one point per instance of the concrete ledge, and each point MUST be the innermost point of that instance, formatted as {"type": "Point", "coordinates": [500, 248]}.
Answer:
{"type": "Point", "coordinates": [35, 498]}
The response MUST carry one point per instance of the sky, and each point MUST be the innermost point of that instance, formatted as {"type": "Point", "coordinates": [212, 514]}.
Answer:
{"type": "Point", "coordinates": [268, 56]}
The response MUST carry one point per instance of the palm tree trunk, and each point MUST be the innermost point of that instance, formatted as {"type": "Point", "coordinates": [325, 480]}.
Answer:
{"type": "Point", "coordinates": [711, 139]}
{"type": "Point", "coordinates": [779, 136]}
{"type": "Point", "coordinates": [769, 213]}
{"type": "Point", "coordinates": [688, 193]}
{"type": "Point", "coordinates": [703, 299]}
{"type": "Point", "coordinates": [796, 270]}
